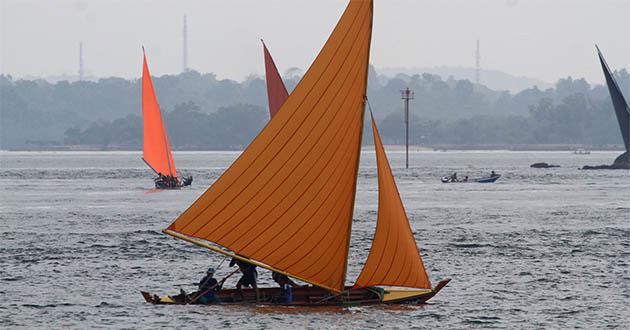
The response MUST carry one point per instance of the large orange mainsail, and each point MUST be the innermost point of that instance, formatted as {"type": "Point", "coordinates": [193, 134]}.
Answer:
{"type": "Point", "coordinates": [287, 202]}
{"type": "Point", "coordinates": [394, 258]}
{"type": "Point", "coordinates": [276, 90]}
{"type": "Point", "coordinates": [156, 151]}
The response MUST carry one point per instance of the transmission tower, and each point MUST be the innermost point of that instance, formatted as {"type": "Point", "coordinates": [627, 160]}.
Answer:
{"type": "Point", "coordinates": [185, 47]}
{"type": "Point", "coordinates": [478, 63]}
{"type": "Point", "coordinates": [80, 60]}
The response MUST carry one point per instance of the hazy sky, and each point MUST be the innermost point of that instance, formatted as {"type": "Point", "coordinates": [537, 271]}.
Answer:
{"type": "Point", "coordinates": [542, 39]}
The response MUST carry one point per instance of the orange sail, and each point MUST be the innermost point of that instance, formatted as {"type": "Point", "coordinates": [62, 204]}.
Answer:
{"type": "Point", "coordinates": [276, 91]}
{"type": "Point", "coordinates": [286, 203]}
{"type": "Point", "coordinates": [157, 151]}
{"type": "Point", "coordinates": [394, 258]}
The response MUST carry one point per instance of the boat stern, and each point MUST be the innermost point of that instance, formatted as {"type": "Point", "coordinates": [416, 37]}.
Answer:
{"type": "Point", "coordinates": [155, 299]}
{"type": "Point", "coordinates": [412, 295]}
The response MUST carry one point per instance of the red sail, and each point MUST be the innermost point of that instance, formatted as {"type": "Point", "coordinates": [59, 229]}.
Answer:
{"type": "Point", "coordinates": [157, 151]}
{"type": "Point", "coordinates": [276, 91]}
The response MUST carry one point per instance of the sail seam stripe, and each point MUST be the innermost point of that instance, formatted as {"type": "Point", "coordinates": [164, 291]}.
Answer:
{"type": "Point", "coordinates": [217, 227]}
{"type": "Point", "coordinates": [362, 119]}
{"type": "Point", "coordinates": [401, 270]}
{"type": "Point", "coordinates": [341, 193]}
{"type": "Point", "coordinates": [339, 213]}
{"type": "Point", "coordinates": [345, 133]}
{"type": "Point", "coordinates": [272, 139]}
{"type": "Point", "coordinates": [396, 229]}
{"type": "Point", "coordinates": [349, 75]}
{"type": "Point", "coordinates": [299, 198]}
{"type": "Point", "coordinates": [336, 246]}
{"type": "Point", "coordinates": [381, 186]}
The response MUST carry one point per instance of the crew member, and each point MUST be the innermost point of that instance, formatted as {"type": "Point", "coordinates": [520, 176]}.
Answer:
{"type": "Point", "coordinates": [286, 285]}
{"type": "Point", "coordinates": [208, 288]}
{"type": "Point", "coordinates": [250, 275]}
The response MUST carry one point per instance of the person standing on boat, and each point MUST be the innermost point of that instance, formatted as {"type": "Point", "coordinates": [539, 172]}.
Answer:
{"type": "Point", "coordinates": [250, 275]}
{"type": "Point", "coordinates": [187, 181]}
{"type": "Point", "coordinates": [208, 288]}
{"type": "Point", "coordinates": [286, 284]}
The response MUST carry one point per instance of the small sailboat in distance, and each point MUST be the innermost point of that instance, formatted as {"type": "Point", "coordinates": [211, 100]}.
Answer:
{"type": "Point", "coordinates": [622, 112]}
{"type": "Point", "coordinates": [276, 90]}
{"type": "Point", "coordinates": [156, 151]}
{"type": "Point", "coordinates": [286, 204]}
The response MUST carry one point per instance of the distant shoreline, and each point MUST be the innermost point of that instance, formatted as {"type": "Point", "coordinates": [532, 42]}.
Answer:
{"type": "Point", "coordinates": [413, 148]}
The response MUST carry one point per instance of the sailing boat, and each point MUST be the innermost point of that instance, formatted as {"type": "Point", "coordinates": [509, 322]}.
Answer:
{"type": "Point", "coordinates": [276, 90]}
{"type": "Point", "coordinates": [623, 116]}
{"type": "Point", "coordinates": [286, 203]}
{"type": "Point", "coordinates": [156, 151]}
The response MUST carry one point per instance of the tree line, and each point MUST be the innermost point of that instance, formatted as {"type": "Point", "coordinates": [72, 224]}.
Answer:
{"type": "Point", "coordinates": [230, 128]}
{"type": "Point", "coordinates": [203, 112]}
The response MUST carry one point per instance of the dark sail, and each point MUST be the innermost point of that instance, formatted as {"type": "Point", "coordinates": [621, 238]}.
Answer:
{"type": "Point", "coordinates": [619, 102]}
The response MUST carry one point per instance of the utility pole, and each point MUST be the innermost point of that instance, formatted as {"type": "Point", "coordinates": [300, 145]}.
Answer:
{"type": "Point", "coordinates": [407, 95]}
{"type": "Point", "coordinates": [478, 63]}
{"type": "Point", "coordinates": [185, 47]}
{"type": "Point", "coordinates": [80, 60]}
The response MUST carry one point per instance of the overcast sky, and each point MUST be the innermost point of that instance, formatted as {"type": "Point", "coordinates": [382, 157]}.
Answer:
{"type": "Point", "coordinates": [535, 38]}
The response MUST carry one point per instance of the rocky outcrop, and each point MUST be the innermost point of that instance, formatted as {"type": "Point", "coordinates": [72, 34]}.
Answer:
{"type": "Point", "coordinates": [621, 163]}
{"type": "Point", "coordinates": [543, 165]}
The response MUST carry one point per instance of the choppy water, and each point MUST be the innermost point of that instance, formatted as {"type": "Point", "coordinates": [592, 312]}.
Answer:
{"type": "Point", "coordinates": [541, 248]}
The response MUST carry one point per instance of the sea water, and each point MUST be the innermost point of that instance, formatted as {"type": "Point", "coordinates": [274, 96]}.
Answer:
{"type": "Point", "coordinates": [80, 236]}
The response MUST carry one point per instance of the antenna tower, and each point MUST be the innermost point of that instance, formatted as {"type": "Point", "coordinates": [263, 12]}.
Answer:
{"type": "Point", "coordinates": [80, 60]}
{"type": "Point", "coordinates": [478, 63]}
{"type": "Point", "coordinates": [185, 47]}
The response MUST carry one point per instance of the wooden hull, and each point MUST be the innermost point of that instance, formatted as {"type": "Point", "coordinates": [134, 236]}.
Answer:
{"type": "Point", "coordinates": [312, 296]}
{"type": "Point", "coordinates": [180, 184]}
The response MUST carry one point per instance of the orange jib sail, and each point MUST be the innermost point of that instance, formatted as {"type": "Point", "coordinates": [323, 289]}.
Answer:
{"type": "Point", "coordinates": [156, 151]}
{"type": "Point", "coordinates": [286, 203]}
{"type": "Point", "coordinates": [276, 90]}
{"type": "Point", "coordinates": [394, 258]}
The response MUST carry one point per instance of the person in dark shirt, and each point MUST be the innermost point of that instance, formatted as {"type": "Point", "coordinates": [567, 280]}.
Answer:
{"type": "Point", "coordinates": [208, 287]}
{"type": "Point", "coordinates": [250, 275]}
{"type": "Point", "coordinates": [286, 284]}
{"type": "Point", "coordinates": [187, 181]}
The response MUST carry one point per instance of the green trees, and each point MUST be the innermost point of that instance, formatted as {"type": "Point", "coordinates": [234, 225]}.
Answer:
{"type": "Point", "coordinates": [203, 112]}
{"type": "Point", "coordinates": [188, 128]}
